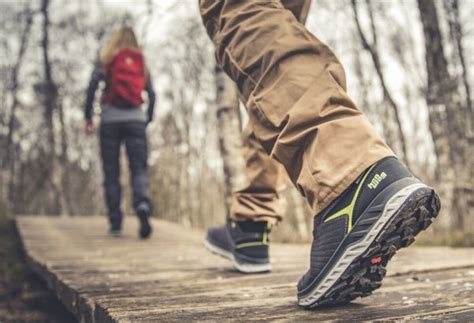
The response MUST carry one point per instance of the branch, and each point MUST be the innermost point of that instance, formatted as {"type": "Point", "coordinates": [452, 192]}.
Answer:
{"type": "Point", "coordinates": [14, 83]}
{"type": "Point", "coordinates": [371, 48]}
{"type": "Point", "coordinates": [146, 25]}
{"type": "Point", "coordinates": [45, 41]}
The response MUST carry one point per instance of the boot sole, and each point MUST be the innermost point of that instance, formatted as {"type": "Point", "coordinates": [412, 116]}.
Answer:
{"type": "Point", "coordinates": [361, 268]}
{"type": "Point", "coordinates": [247, 268]}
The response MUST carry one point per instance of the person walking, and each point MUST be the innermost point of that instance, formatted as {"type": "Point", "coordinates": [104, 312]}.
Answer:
{"type": "Point", "coordinates": [123, 69]}
{"type": "Point", "coordinates": [367, 204]}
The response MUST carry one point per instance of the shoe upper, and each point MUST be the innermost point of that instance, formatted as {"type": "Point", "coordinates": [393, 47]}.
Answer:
{"type": "Point", "coordinates": [143, 209]}
{"type": "Point", "coordinates": [220, 236]}
{"type": "Point", "coordinates": [115, 225]}
{"type": "Point", "coordinates": [327, 238]}
{"type": "Point", "coordinates": [248, 240]}
{"type": "Point", "coordinates": [334, 223]}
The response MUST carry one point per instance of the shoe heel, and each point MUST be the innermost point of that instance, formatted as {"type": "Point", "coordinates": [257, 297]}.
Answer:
{"type": "Point", "coordinates": [145, 227]}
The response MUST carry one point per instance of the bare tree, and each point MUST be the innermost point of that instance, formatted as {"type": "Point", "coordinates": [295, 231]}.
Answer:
{"type": "Point", "coordinates": [448, 124]}
{"type": "Point", "coordinates": [372, 49]}
{"type": "Point", "coordinates": [9, 158]}
{"type": "Point", "coordinates": [456, 32]}
{"type": "Point", "coordinates": [299, 212]}
{"type": "Point", "coordinates": [14, 83]}
{"type": "Point", "coordinates": [49, 91]}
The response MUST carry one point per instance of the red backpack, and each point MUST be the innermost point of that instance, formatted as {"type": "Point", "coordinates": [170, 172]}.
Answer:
{"type": "Point", "coordinates": [125, 77]}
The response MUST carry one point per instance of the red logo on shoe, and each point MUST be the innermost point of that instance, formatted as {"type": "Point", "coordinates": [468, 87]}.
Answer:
{"type": "Point", "coordinates": [376, 260]}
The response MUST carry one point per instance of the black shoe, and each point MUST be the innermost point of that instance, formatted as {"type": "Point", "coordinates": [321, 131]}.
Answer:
{"type": "Point", "coordinates": [115, 229]}
{"type": "Point", "coordinates": [245, 243]}
{"type": "Point", "coordinates": [360, 231]}
{"type": "Point", "coordinates": [143, 212]}
{"type": "Point", "coordinates": [115, 233]}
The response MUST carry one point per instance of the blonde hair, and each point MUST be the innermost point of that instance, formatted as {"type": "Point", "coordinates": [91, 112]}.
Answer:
{"type": "Point", "coordinates": [123, 38]}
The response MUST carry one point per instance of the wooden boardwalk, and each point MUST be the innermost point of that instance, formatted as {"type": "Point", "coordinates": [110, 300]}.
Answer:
{"type": "Point", "coordinates": [172, 277]}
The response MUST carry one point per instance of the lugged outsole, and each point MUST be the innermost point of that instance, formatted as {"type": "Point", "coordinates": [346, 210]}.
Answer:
{"type": "Point", "coordinates": [364, 275]}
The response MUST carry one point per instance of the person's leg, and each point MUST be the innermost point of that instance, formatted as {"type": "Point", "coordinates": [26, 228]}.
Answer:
{"type": "Point", "coordinates": [294, 88]}
{"type": "Point", "coordinates": [110, 153]}
{"type": "Point", "coordinates": [258, 204]}
{"type": "Point", "coordinates": [259, 199]}
{"type": "Point", "coordinates": [367, 205]}
{"type": "Point", "coordinates": [137, 152]}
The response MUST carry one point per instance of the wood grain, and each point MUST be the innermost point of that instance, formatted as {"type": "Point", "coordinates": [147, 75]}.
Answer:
{"type": "Point", "coordinates": [172, 277]}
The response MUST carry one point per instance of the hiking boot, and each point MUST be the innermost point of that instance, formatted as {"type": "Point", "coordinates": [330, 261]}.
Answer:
{"type": "Point", "coordinates": [355, 236]}
{"type": "Point", "coordinates": [245, 243]}
{"type": "Point", "coordinates": [143, 212]}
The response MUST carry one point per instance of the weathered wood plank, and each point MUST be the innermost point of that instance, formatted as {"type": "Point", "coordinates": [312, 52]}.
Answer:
{"type": "Point", "coordinates": [172, 277]}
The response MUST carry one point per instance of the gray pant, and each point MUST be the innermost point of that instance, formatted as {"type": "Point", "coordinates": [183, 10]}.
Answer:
{"type": "Point", "coordinates": [134, 136]}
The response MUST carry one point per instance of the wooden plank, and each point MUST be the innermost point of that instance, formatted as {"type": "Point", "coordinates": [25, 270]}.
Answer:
{"type": "Point", "coordinates": [171, 276]}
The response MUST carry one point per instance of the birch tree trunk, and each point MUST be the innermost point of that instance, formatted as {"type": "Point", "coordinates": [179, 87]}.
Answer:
{"type": "Point", "coordinates": [229, 133]}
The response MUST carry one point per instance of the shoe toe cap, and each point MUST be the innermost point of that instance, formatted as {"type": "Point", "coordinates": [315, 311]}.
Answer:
{"type": "Point", "coordinates": [303, 282]}
{"type": "Point", "coordinates": [219, 236]}
{"type": "Point", "coordinates": [213, 233]}
{"type": "Point", "coordinates": [307, 280]}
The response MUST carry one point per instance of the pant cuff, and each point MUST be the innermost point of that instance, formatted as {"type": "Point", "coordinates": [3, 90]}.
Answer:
{"type": "Point", "coordinates": [268, 218]}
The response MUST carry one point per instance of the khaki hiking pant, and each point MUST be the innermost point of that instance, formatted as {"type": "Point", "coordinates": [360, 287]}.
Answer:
{"type": "Point", "coordinates": [300, 115]}
{"type": "Point", "coordinates": [260, 196]}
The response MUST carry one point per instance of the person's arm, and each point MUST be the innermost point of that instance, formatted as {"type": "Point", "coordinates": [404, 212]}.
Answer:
{"type": "Point", "coordinates": [95, 79]}
{"type": "Point", "coordinates": [151, 100]}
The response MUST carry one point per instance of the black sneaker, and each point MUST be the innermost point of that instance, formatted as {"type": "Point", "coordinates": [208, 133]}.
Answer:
{"type": "Point", "coordinates": [143, 212]}
{"type": "Point", "coordinates": [244, 243]}
{"type": "Point", "coordinates": [115, 229]}
{"type": "Point", "coordinates": [360, 231]}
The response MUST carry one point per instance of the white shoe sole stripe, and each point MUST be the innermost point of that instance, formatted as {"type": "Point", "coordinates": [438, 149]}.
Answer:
{"type": "Point", "coordinates": [245, 268]}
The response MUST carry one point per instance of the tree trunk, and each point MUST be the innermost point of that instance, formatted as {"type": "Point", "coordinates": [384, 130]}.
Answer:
{"type": "Point", "coordinates": [8, 161]}
{"type": "Point", "coordinates": [64, 180]}
{"type": "Point", "coordinates": [230, 142]}
{"type": "Point", "coordinates": [456, 32]}
{"type": "Point", "coordinates": [448, 121]}
{"type": "Point", "coordinates": [299, 212]}
{"type": "Point", "coordinates": [14, 85]}
{"type": "Point", "coordinates": [53, 169]}
{"type": "Point", "coordinates": [464, 193]}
